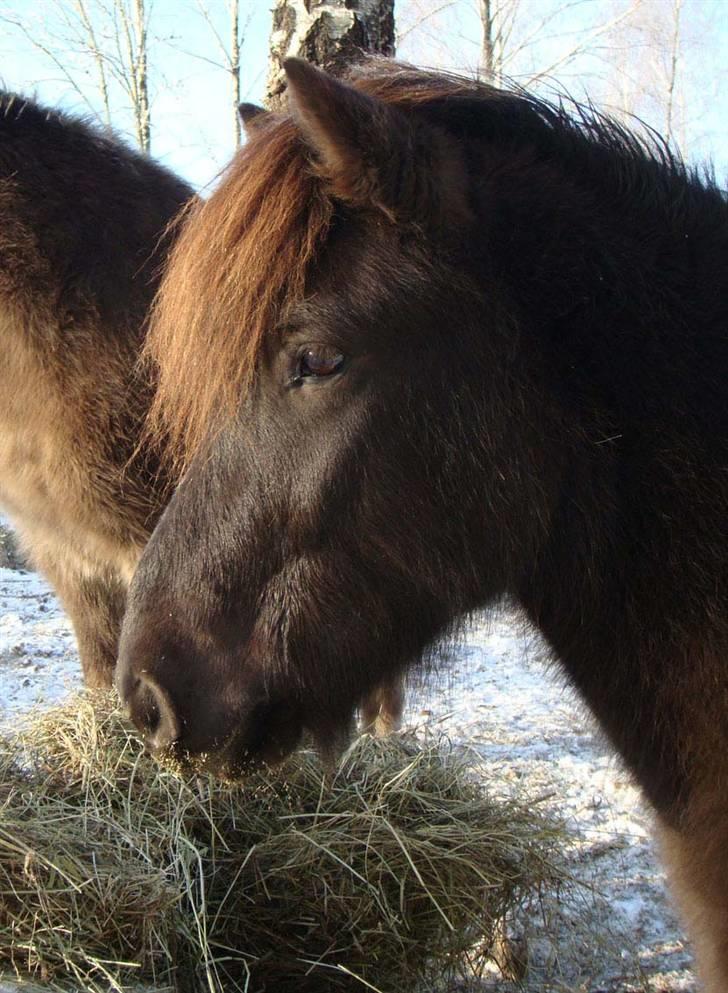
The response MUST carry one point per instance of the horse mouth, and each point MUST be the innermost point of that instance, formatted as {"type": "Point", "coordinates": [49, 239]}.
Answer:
{"type": "Point", "coordinates": [267, 737]}
{"type": "Point", "coordinates": [263, 738]}
{"type": "Point", "coordinates": [270, 737]}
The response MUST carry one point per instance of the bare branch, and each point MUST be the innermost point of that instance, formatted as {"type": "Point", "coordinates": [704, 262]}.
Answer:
{"type": "Point", "coordinates": [536, 33]}
{"type": "Point", "coordinates": [51, 56]}
{"type": "Point", "coordinates": [425, 17]}
{"type": "Point", "coordinates": [96, 54]}
{"type": "Point", "coordinates": [196, 55]}
{"type": "Point", "coordinates": [583, 44]}
{"type": "Point", "coordinates": [205, 13]}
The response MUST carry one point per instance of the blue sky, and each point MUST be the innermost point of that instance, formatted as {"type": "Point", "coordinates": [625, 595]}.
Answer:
{"type": "Point", "coordinates": [191, 115]}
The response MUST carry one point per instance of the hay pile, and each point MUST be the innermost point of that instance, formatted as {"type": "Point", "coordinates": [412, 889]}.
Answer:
{"type": "Point", "coordinates": [381, 874]}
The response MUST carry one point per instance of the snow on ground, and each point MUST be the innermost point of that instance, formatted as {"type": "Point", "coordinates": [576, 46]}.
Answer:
{"type": "Point", "coordinates": [38, 659]}
{"type": "Point", "coordinates": [611, 933]}
{"type": "Point", "coordinates": [616, 931]}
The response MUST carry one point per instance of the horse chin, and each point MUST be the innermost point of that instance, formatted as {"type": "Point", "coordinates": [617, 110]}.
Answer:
{"type": "Point", "coordinates": [332, 737]}
{"type": "Point", "coordinates": [239, 758]}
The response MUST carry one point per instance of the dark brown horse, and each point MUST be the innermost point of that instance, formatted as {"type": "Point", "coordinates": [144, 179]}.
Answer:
{"type": "Point", "coordinates": [447, 344]}
{"type": "Point", "coordinates": [82, 242]}
{"type": "Point", "coordinates": [85, 229]}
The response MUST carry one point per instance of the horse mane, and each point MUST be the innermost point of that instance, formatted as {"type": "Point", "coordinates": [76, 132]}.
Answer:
{"type": "Point", "coordinates": [247, 250]}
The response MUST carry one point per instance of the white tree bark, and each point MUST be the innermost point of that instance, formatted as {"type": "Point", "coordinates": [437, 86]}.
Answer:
{"type": "Point", "coordinates": [329, 33]}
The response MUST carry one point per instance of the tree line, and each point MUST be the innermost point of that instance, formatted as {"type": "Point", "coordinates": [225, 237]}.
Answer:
{"type": "Point", "coordinates": [637, 57]}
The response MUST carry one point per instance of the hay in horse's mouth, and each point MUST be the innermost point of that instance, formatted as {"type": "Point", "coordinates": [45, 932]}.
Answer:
{"type": "Point", "coordinates": [116, 871]}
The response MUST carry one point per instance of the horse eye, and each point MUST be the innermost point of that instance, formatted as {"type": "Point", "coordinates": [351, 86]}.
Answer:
{"type": "Point", "coordinates": [319, 362]}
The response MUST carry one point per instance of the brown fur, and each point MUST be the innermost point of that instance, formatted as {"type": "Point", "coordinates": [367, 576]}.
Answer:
{"type": "Point", "coordinates": [697, 861]}
{"type": "Point", "coordinates": [526, 397]}
{"type": "Point", "coordinates": [81, 244]}
{"type": "Point", "coordinates": [256, 277]}
{"type": "Point", "coordinates": [381, 711]}
{"type": "Point", "coordinates": [261, 271]}
{"type": "Point", "coordinates": [82, 490]}
{"type": "Point", "coordinates": [694, 844]}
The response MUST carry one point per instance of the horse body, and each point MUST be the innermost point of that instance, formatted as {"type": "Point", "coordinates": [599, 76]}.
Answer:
{"type": "Point", "coordinates": [465, 347]}
{"type": "Point", "coordinates": [82, 241]}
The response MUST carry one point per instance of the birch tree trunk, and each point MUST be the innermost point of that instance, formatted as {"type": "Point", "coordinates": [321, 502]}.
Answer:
{"type": "Point", "coordinates": [141, 79]}
{"type": "Point", "coordinates": [235, 66]}
{"type": "Point", "coordinates": [329, 33]}
{"type": "Point", "coordinates": [131, 66]}
{"type": "Point", "coordinates": [487, 47]}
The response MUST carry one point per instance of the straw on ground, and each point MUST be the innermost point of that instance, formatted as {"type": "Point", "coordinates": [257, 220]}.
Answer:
{"type": "Point", "coordinates": [383, 873]}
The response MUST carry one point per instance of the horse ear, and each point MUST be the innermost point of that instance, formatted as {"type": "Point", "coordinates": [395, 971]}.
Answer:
{"type": "Point", "coordinates": [350, 133]}
{"type": "Point", "coordinates": [369, 152]}
{"type": "Point", "coordinates": [251, 116]}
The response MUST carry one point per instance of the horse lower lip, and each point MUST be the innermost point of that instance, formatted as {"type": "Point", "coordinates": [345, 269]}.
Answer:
{"type": "Point", "coordinates": [276, 750]}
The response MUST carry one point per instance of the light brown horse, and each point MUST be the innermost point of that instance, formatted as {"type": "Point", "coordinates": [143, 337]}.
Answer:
{"type": "Point", "coordinates": [448, 344]}
{"type": "Point", "coordinates": [83, 222]}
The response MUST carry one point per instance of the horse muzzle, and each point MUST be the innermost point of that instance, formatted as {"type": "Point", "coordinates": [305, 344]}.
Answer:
{"type": "Point", "coordinates": [263, 731]}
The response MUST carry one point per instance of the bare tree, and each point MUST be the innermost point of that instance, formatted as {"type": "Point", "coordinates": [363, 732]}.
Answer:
{"type": "Point", "coordinates": [131, 64]}
{"type": "Point", "coordinates": [230, 50]}
{"type": "Point", "coordinates": [661, 73]}
{"type": "Point", "coordinates": [650, 73]}
{"type": "Point", "coordinates": [489, 54]}
{"type": "Point", "coordinates": [235, 64]}
{"type": "Point", "coordinates": [673, 68]}
{"type": "Point", "coordinates": [95, 50]}
{"type": "Point", "coordinates": [497, 18]}
{"type": "Point", "coordinates": [518, 39]}
{"type": "Point", "coordinates": [510, 30]}
{"type": "Point", "coordinates": [108, 39]}
{"type": "Point", "coordinates": [631, 56]}
{"type": "Point", "coordinates": [329, 33]}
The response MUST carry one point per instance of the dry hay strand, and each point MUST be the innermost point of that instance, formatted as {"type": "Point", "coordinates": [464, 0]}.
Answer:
{"type": "Point", "coordinates": [380, 873]}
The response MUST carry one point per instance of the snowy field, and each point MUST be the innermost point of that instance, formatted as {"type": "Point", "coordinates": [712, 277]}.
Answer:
{"type": "Point", "coordinates": [613, 934]}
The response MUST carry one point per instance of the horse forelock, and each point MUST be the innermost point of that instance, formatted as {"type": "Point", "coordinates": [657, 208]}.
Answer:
{"type": "Point", "coordinates": [241, 258]}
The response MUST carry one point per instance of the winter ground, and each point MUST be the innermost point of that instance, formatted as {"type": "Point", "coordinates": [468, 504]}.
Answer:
{"type": "Point", "coordinates": [614, 931]}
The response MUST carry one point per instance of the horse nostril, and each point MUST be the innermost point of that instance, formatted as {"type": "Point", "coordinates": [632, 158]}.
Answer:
{"type": "Point", "coordinates": [152, 710]}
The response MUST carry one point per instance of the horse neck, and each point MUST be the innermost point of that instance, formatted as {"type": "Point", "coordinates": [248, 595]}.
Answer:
{"type": "Point", "coordinates": [619, 280]}
{"type": "Point", "coordinates": [620, 294]}
{"type": "Point", "coordinates": [606, 249]}
{"type": "Point", "coordinates": [83, 233]}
